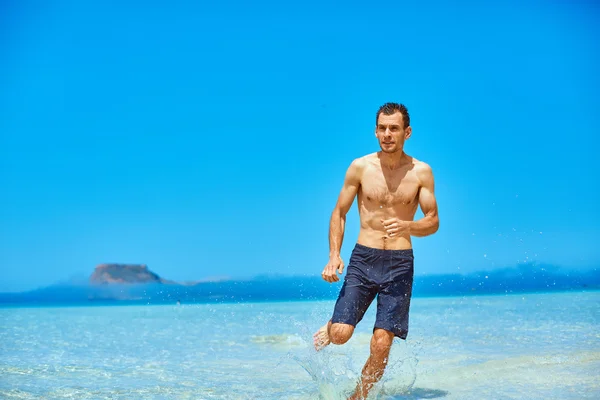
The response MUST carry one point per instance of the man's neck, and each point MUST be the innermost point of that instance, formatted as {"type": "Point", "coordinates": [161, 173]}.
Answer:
{"type": "Point", "coordinates": [392, 160]}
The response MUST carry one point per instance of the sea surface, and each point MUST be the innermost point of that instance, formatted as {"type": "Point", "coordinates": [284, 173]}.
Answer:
{"type": "Point", "coordinates": [516, 346]}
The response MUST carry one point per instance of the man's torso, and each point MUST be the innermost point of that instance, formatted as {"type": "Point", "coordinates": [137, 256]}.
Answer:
{"type": "Point", "coordinates": [385, 194]}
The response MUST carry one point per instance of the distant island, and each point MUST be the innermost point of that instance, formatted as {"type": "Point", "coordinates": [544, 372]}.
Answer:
{"type": "Point", "coordinates": [133, 274]}
{"type": "Point", "coordinates": [137, 284]}
{"type": "Point", "coordinates": [105, 274]}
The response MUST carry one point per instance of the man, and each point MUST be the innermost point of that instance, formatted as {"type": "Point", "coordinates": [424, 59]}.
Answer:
{"type": "Point", "coordinates": [390, 185]}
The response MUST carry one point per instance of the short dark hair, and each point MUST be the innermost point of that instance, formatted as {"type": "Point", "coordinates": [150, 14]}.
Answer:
{"type": "Point", "coordinates": [391, 108]}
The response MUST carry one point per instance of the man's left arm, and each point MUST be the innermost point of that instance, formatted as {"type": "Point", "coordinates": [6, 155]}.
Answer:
{"type": "Point", "coordinates": [430, 222]}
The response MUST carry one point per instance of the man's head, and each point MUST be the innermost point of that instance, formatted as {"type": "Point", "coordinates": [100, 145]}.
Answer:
{"type": "Point", "coordinates": [392, 127]}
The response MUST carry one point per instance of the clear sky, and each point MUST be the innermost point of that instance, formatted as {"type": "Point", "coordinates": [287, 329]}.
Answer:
{"type": "Point", "coordinates": [212, 140]}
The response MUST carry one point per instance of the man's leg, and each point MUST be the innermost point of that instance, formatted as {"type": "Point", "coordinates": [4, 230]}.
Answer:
{"type": "Point", "coordinates": [381, 343]}
{"type": "Point", "coordinates": [393, 305]}
{"type": "Point", "coordinates": [332, 333]}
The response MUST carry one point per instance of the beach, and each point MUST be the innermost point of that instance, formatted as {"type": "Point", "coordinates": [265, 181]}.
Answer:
{"type": "Point", "coordinates": [516, 346]}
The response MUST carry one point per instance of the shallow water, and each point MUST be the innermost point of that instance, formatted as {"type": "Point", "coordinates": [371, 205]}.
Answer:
{"type": "Point", "coordinates": [533, 346]}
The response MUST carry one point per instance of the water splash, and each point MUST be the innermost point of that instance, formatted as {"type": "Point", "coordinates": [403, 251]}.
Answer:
{"type": "Point", "coordinates": [401, 373]}
{"type": "Point", "coordinates": [333, 375]}
{"type": "Point", "coordinates": [336, 370]}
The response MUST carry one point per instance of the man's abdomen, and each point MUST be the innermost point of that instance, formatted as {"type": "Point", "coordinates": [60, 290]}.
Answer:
{"type": "Point", "coordinates": [381, 240]}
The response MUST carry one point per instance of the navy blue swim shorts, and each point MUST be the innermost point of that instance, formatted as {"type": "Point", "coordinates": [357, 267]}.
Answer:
{"type": "Point", "coordinates": [387, 274]}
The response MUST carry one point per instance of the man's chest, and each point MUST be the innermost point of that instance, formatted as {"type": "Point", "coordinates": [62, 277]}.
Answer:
{"type": "Point", "coordinates": [388, 189]}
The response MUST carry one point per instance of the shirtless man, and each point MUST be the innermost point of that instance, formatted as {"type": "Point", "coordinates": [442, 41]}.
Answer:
{"type": "Point", "coordinates": [390, 186]}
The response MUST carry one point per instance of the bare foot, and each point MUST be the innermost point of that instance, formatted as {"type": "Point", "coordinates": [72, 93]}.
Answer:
{"type": "Point", "coordinates": [321, 337]}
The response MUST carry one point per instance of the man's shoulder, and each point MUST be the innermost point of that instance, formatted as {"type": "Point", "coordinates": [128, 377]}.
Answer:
{"type": "Point", "coordinates": [368, 159]}
{"type": "Point", "coordinates": [358, 166]}
{"type": "Point", "coordinates": [422, 169]}
{"type": "Point", "coordinates": [420, 165]}
{"type": "Point", "coordinates": [363, 161]}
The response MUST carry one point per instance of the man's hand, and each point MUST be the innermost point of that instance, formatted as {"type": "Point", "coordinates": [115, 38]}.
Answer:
{"type": "Point", "coordinates": [396, 227]}
{"type": "Point", "coordinates": [329, 273]}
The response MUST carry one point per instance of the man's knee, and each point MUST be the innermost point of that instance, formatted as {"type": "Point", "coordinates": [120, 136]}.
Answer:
{"type": "Point", "coordinates": [340, 333]}
{"type": "Point", "coordinates": [381, 342]}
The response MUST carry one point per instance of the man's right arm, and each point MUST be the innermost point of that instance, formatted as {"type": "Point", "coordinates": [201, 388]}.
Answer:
{"type": "Point", "coordinates": [338, 219]}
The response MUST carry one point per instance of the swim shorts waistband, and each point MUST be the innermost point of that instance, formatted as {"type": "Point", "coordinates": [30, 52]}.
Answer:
{"type": "Point", "coordinates": [373, 250]}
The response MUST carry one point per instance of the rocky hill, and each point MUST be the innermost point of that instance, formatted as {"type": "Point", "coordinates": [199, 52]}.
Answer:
{"type": "Point", "coordinates": [124, 273]}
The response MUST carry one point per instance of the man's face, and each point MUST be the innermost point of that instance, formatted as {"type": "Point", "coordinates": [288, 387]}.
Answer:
{"type": "Point", "coordinates": [391, 133]}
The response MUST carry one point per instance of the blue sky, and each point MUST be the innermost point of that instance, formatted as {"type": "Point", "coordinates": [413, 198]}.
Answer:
{"type": "Point", "coordinates": [208, 141]}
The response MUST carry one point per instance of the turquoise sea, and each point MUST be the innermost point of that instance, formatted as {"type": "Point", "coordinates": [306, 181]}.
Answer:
{"type": "Point", "coordinates": [514, 346]}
